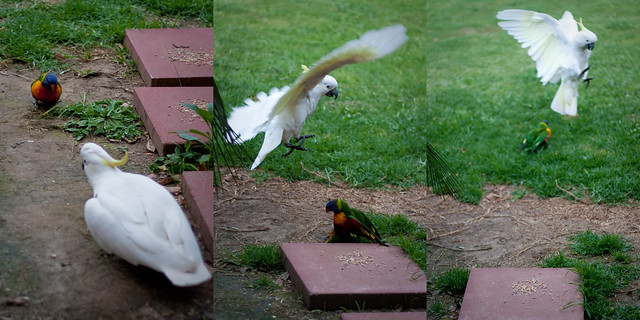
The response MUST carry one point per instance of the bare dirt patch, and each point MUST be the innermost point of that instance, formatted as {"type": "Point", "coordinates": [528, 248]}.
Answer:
{"type": "Point", "coordinates": [50, 267]}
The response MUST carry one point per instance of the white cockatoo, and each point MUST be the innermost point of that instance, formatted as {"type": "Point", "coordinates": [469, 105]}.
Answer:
{"type": "Point", "coordinates": [282, 112]}
{"type": "Point", "coordinates": [137, 219]}
{"type": "Point", "coordinates": [560, 50]}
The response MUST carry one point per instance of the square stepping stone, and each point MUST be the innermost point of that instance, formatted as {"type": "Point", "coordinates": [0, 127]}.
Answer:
{"type": "Point", "coordinates": [384, 316]}
{"type": "Point", "coordinates": [161, 110]}
{"type": "Point", "coordinates": [522, 293]}
{"type": "Point", "coordinates": [172, 57]}
{"type": "Point", "coordinates": [197, 188]}
{"type": "Point", "coordinates": [354, 275]}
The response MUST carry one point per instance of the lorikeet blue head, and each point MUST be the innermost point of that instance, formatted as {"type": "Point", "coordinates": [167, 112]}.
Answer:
{"type": "Point", "coordinates": [546, 122]}
{"type": "Point", "coordinates": [334, 205]}
{"type": "Point", "coordinates": [50, 81]}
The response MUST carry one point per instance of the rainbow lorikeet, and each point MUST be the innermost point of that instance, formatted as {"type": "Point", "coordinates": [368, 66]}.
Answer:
{"type": "Point", "coordinates": [347, 221]}
{"type": "Point", "coordinates": [46, 89]}
{"type": "Point", "coordinates": [536, 138]}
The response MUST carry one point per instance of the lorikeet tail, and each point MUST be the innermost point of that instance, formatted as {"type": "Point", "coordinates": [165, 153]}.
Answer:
{"type": "Point", "coordinates": [439, 174]}
{"type": "Point", "coordinates": [374, 237]}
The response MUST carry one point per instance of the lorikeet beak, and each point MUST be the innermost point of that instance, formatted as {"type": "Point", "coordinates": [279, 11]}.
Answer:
{"type": "Point", "coordinates": [333, 93]}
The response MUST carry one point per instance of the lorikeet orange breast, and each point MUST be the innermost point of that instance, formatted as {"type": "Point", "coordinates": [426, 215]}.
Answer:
{"type": "Point", "coordinates": [347, 222]}
{"type": "Point", "coordinates": [537, 138]}
{"type": "Point", "coordinates": [46, 89]}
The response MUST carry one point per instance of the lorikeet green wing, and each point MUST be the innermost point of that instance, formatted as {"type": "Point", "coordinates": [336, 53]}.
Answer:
{"type": "Point", "coordinates": [537, 138]}
{"type": "Point", "coordinates": [347, 221]}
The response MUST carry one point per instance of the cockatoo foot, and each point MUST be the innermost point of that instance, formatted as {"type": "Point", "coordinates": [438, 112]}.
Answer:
{"type": "Point", "coordinates": [584, 71]}
{"type": "Point", "coordinates": [587, 80]}
{"type": "Point", "coordinates": [297, 147]}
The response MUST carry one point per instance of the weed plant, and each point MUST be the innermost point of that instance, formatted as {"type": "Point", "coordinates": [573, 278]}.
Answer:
{"type": "Point", "coordinates": [112, 119]}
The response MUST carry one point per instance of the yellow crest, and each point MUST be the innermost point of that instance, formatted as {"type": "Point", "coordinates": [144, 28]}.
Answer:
{"type": "Point", "coordinates": [117, 163]}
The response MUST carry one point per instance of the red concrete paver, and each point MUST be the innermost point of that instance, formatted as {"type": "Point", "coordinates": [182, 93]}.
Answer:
{"type": "Point", "coordinates": [354, 275]}
{"type": "Point", "coordinates": [197, 188]}
{"type": "Point", "coordinates": [522, 293]}
{"type": "Point", "coordinates": [384, 316]}
{"type": "Point", "coordinates": [172, 57]}
{"type": "Point", "coordinates": [161, 110]}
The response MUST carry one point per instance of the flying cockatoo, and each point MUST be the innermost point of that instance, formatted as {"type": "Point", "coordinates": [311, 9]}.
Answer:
{"type": "Point", "coordinates": [137, 219]}
{"type": "Point", "coordinates": [282, 112]}
{"type": "Point", "coordinates": [560, 50]}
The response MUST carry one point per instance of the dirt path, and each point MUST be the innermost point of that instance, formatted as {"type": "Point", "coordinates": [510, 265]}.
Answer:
{"type": "Point", "coordinates": [50, 267]}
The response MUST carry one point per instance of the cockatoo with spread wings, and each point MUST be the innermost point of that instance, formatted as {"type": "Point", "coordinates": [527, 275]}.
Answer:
{"type": "Point", "coordinates": [560, 50]}
{"type": "Point", "coordinates": [137, 219]}
{"type": "Point", "coordinates": [282, 112]}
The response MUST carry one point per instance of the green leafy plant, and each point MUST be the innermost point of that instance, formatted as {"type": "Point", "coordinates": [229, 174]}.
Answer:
{"type": "Point", "coordinates": [182, 159]}
{"type": "Point", "coordinates": [113, 119]}
{"type": "Point", "coordinates": [204, 138]}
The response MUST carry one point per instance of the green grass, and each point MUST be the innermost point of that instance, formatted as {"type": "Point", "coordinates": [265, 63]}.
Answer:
{"type": "Point", "coordinates": [374, 134]}
{"type": "Point", "coordinates": [483, 96]}
{"type": "Point", "coordinates": [33, 31]}
{"type": "Point", "coordinates": [589, 243]}
{"type": "Point", "coordinates": [259, 256]}
{"type": "Point", "coordinates": [453, 281]}
{"type": "Point", "coordinates": [263, 281]}
{"type": "Point", "coordinates": [399, 231]}
{"type": "Point", "coordinates": [596, 259]}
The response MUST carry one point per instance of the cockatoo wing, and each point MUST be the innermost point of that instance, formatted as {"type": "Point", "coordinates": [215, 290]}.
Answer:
{"type": "Point", "coordinates": [251, 119]}
{"type": "Point", "coordinates": [545, 37]}
{"type": "Point", "coordinates": [372, 45]}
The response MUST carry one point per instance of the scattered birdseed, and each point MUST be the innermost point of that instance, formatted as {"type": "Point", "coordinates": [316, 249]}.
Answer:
{"type": "Point", "coordinates": [528, 287]}
{"type": "Point", "coordinates": [356, 259]}
{"type": "Point", "coordinates": [187, 55]}
{"type": "Point", "coordinates": [191, 116]}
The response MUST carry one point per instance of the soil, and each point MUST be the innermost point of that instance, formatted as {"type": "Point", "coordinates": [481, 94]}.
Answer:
{"type": "Point", "coordinates": [50, 267]}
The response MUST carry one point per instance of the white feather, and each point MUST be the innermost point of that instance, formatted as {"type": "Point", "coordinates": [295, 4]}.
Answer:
{"type": "Point", "coordinates": [282, 113]}
{"type": "Point", "coordinates": [137, 219]}
{"type": "Point", "coordinates": [558, 48]}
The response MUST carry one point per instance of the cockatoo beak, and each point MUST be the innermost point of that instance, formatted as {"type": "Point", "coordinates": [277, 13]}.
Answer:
{"type": "Point", "coordinates": [333, 93]}
{"type": "Point", "coordinates": [117, 163]}
{"type": "Point", "coordinates": [590, 46]}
